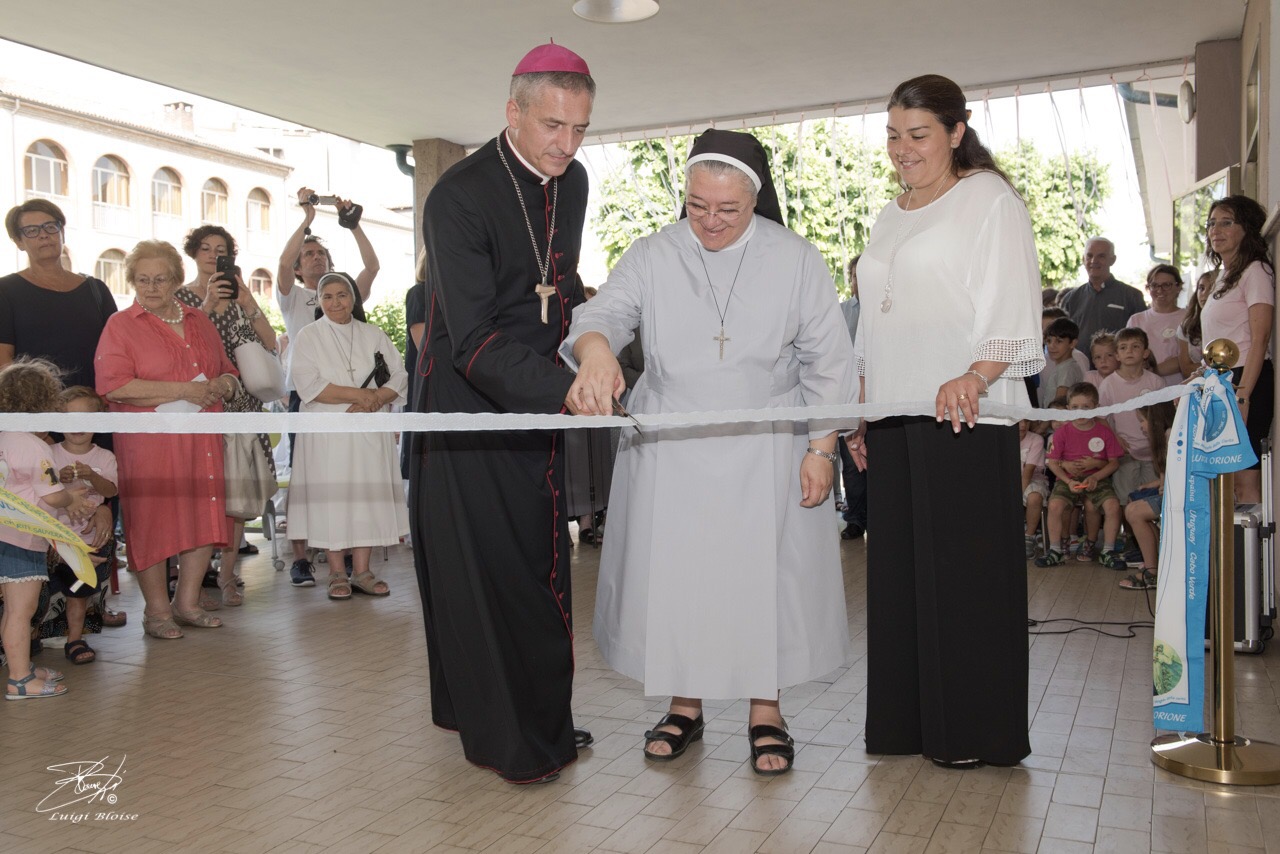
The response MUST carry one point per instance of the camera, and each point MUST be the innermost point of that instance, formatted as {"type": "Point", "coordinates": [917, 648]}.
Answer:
{"type": "Point", "coordinates": [322, 200]}
{"type": "Point", "coordinates": [228, 270]}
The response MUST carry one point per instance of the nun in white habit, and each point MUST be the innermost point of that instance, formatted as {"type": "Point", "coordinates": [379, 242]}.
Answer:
{"type": "Point", "coordinates": [346, 493]}
{"type": "Point", "coordinates": [721, 575]}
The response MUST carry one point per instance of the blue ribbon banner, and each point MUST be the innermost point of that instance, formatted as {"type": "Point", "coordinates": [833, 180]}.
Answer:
{"type": "Point", "coordinates": [1208, 438]}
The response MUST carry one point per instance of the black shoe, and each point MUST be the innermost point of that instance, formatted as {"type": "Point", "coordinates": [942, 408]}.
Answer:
{"type": "Point", "coordinates": [958, 764]}
{"type": "Point", "coordinates": [582, 738]}
{"type": "Point", "coordinates": [248, 549]}
{"type": "Point", "coordinates": [690, 731]}
{"type": "Point", "coordinates": [347, 562]}
{"type": "Point", "coordinates": [210, 579]}
{"type": "Point", "coordinates": [302, 573]}
{"type": "Point", "coordinates": [786, 750]}
{"type": "Point", "coordinates": [852, 531]}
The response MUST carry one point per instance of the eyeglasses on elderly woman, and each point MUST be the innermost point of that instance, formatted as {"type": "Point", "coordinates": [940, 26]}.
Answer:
{"type": "Point", "coordinates": [697, 210]}
{"type": "Point", "coordinates": [50, 227]}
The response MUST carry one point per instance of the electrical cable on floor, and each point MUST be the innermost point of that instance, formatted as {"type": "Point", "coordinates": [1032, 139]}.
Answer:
{"type": "Point", "coordinates": [1092, 625]}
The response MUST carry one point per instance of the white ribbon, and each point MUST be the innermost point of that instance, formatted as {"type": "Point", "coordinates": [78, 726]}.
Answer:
{"type": "Point", "coordinates": [842, 417]}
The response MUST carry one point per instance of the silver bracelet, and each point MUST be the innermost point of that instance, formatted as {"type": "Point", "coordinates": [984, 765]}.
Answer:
{"type": "Point", "coordinates": [831, 458]}
{"type": "Point", "coordinates": [986, 385]}
{"type": "Point", "coordinates": [257, 312]}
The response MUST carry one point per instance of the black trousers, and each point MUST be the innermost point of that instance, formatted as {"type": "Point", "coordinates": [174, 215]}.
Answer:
{"type": "Point", "coordinates": [946, 593]}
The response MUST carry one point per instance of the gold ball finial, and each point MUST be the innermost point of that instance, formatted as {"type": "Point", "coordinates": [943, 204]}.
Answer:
{"type": "Point", "coordinates": [1221, 354]}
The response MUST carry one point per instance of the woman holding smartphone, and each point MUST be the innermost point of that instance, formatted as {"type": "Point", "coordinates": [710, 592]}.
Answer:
{"type": "Point", "coordinates": [219, 292]}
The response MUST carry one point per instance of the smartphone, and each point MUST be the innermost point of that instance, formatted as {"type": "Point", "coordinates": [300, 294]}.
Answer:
{"type": "Point", "coordinates": [227, 267]}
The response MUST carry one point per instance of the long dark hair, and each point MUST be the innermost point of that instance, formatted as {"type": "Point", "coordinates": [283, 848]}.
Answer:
{"type": "Point", "coordinates": [945, 100]}
{"type": "Point", "coordinates": [1191, 320]}
{"type": "Point", "coordinates": [1251, 217]}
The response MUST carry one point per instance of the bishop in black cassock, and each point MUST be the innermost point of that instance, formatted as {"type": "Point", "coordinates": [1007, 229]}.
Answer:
{"type": "Point", "coordinates": [490, 527]}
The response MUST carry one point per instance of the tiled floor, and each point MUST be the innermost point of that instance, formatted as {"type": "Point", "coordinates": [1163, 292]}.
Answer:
{"type": "Point", "coordinates": [302, 726]}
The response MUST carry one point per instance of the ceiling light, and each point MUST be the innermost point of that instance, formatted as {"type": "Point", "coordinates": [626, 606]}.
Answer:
{"type": "Point", "coordinates": [615, 11]}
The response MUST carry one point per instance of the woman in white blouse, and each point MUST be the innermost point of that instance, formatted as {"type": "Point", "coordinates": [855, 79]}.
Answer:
{"type": "Point", "coordinates": [1240, 307]}
{"type": "Point", "coordinates": [950, 286]}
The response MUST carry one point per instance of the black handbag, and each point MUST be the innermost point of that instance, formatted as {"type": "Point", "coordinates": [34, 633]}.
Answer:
{"type": "Point", "coordinates": [381, 374]}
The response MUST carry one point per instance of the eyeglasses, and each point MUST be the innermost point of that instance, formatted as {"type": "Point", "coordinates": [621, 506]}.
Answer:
{"type": "Point", "coordinates": [1219, 223]}
{"type": "Point", "coordinates": [697, 210]}
{"type": "Point", "coordinates": [1161, 286]}
{"type": "Point", "coordinates": [153, 282]}
{"type": "Point", "coordinates": [50, 227]}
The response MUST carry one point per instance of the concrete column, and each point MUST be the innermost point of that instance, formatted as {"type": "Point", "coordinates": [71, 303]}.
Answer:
{"type": "Point", "coordinates": [431, 157]}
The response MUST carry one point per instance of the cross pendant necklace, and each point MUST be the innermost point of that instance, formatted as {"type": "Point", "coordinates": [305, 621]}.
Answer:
{"type": "Point", "coordinates": [349, 357]}
{"type": "Point", "coordinates": [543, 291]}
{"type": "Point", "coordinates": [721, 338]}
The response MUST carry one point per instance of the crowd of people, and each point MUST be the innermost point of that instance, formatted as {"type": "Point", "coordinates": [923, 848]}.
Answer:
{"type": "Point", "coordinates": [1103, 346]}
{"type": "Point", "coordinates": [176, 498]}
{"type": "Point", "coordinates": [698, 598]}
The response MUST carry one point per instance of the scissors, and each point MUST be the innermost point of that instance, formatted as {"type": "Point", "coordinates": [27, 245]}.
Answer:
{"type": "Point", "coordinates": [619, 410]}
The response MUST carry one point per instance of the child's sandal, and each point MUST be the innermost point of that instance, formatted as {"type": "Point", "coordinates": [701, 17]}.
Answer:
{"type": "Point", "coordinates": [48, 689]}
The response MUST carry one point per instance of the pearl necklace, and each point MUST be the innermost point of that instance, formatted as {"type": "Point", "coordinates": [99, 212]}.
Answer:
{"type": "Point", "coordinates": [177, 322]}
{"type": "Point", "coordinates": [887, 303]}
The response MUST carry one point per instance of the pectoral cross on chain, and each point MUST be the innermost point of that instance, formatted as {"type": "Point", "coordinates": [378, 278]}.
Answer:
{"type": "Point", "coordinates": [544, 292]}
{"type": "Point", "coordinates": [721, 338]}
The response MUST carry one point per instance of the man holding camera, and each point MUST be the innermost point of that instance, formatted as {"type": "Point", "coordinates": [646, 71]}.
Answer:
{"type": "Point", "coordinates": [302, 263]}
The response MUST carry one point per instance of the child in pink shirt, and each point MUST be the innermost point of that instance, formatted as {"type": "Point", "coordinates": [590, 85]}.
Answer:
{"type": "Point", "coordinates": [1102, 349]}
{"type": "Point", "coordinates": [1084, 455]}
{"type": "Point", "coordinates": [1035, 486]}
{"type": "Point", "coordinates": [82, 465]}
{"type": "Point", "coordinates": [26, 470]}
{"type": "Point", "coordinates": [1131, 379]}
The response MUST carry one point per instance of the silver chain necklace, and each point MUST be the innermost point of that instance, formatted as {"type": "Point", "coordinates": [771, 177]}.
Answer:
{"type": "Point", "coordinates": [887, 303]}
{"type": "Point", "coordinates": [351, 350]}
{"type": "Point", "coordinates": [710, 287]}
{"type": "Point", "coordinates": [542, 289]}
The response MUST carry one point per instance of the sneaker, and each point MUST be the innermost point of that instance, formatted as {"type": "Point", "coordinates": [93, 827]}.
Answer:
{"type": "Point", "coordinates": [1087, 552]}
{"type": "Point", "coordinates": [1029, 546]}
{"type": "Point", "coordinates": [302, 573]}
{"type": "Point", "coordinates": [1053, 558]}
{"type": "Point", "coordinates": [1113, 560]}
{"type": "Point", "coordinates": [1073, 545]}
{"type": "Point", "coordinates": [1133, 557]}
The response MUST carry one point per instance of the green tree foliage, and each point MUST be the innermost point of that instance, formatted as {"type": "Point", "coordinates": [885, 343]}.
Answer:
{"type": "Point", "coordinates": [388, 316]}
{"type": "Point", "coordinates": [1064, 206]}
{"type": "Point", "coordinates": [832, 184]}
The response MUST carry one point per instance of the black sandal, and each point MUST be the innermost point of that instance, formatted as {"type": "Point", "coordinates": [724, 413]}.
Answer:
{"type": "Point", "coordinates": [690, 731]}
{"type": "Point", "coordinates": [787, 751]}
{"type": "Point", "coordinates": [76, 650]}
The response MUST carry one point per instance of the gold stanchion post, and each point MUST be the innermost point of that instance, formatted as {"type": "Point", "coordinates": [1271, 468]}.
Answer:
{"type": "Point", "coordinates": [1221, 756]}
